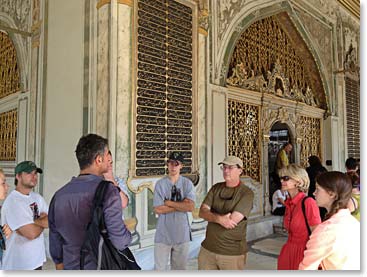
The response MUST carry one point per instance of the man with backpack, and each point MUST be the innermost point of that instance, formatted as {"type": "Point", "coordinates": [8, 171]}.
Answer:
{"type": "Point", "coordinates": [71, 208]}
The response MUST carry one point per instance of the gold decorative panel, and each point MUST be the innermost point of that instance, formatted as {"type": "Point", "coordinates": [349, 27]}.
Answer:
{"type": "Point", "coordinates": [309, 130]}
{"type": "Point", "coordinates": [9, 71]}
{"type": "Point", "coordinates": [164, 85]}
{"type": "Point", "coordinates": [268, 59]}
{"type": "Point", "coordinates": [244, 136]}
{"type": "Point", "coordinates": [8, 135]}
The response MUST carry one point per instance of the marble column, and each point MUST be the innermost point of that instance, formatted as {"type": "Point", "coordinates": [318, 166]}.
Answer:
{"type": "Point", "coordinates": [103, 69]}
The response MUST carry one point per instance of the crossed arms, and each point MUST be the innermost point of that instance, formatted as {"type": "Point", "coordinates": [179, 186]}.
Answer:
{"type": "Point", "coordinates": [33, 230]}
{"type": "Point", "coordinates": [228, 221]}
{"type": "Point", "coordinates": [169, 206]}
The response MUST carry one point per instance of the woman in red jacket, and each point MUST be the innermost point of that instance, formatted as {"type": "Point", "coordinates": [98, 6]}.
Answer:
{"type": "Point", "coordinates": [295, 180]}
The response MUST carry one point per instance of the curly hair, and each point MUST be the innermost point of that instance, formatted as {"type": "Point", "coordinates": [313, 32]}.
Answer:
{"type": "Point", "coordinates": [297, 173]}
{"type": "Point", "coordinates": [338, 183]}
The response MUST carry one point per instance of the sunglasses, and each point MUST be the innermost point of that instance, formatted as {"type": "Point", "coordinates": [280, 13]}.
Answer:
{"type": "Point", "coordinates": [2, 240]}
{"type": "Point", "coordinates": [284, 178]}
{"type": "Point", "coordinates": [229, 167]}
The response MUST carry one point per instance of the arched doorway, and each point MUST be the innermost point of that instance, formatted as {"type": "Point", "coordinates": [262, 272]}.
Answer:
{"type": "Point", "coordinates": [279, 135]}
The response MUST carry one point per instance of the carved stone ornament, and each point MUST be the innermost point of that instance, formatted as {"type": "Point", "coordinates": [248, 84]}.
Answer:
{"type": "Point", "coordinates": [283, 115]}
{"type": "Point", "coordinates": [204, 19]}
{"type": "Point", "coordinates": [277, 84]}
{"type": "Point", "coordinates": [18, 10]}
{"type": "Point", "coordinates": [350, 63]}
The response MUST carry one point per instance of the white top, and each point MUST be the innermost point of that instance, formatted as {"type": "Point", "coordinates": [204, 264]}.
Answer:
{"type": "Point", "coordinates": [278, 194]}
{"type": "Point", "coordinates": [19, 210]}
{"type": "Point", "coordinates": [334, 244]}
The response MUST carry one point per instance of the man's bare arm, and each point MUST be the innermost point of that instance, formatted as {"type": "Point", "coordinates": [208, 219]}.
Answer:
{"type": "Point", "coordinates": [224, 220]}
{"type": "Point", "coordinates": [30, 231]}
{"type": "Point", "coordinates": [163, 209]}
{"type": "Point", "coordinates": [237, 217]}
{"type": "Point", "coordinates": [186, 205]}
{"type": "Point", "coordinates": [59, 266]}
{"type": "Point", "coordinates": [42, 221]}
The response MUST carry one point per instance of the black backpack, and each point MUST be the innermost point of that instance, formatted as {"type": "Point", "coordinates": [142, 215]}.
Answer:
{"type": "Point", "coordinates": [97, 244]}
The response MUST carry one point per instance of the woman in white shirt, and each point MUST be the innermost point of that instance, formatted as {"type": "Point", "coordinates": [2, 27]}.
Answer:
{"type": "Point", "coordinates": [335, 243]}
{"type": "Point", "coordinates": [279, 196]}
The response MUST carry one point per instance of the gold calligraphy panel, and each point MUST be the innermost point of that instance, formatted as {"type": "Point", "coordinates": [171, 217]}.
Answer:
{"type": "Point", "coordinates": [352, 98]}
{"type": "Point", "coordinates": [244, 136]}
{"type": "Point", "coordinates": [310, 133]}
{"type": "Point", "coordinates": [8, 135]}
{"type": "Point", "coordinates": [164, 85]}
{"type": "Point", "coordinates": [9, 71]}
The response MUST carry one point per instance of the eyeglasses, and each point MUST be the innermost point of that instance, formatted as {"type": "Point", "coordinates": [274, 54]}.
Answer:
{"type": "Point", "coordinates": [284, 178]}
{"type": "Point", "coordinates": [229, 167]}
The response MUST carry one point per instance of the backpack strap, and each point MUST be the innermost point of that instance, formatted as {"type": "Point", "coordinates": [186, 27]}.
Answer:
{"type": "Point", "coordinates": [97, 208]}
{"type": "Point", "coordinates": [304, 215]}
{"type": "Point", "coordinates": [98, 204]}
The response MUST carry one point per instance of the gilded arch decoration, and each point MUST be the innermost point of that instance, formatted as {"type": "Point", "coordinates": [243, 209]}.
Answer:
{"type": "Point", "coordinates": [9, 84]}
{"type": "Point", "coordinates": [9, 71]}
{"type": "Point", "coordinates": [271, 57]}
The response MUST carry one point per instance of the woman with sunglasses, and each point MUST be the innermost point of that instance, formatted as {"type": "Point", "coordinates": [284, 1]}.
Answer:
{"type": "Point", "coordinates": [295, 180]}
{"type": "Point", "coordinates": [335, 243]}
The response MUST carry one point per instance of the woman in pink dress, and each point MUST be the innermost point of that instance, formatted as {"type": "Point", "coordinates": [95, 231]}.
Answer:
{"type": "Point", "coordinates": [295, 180]}
{"type": "Point", "coordinates": [335, 243]}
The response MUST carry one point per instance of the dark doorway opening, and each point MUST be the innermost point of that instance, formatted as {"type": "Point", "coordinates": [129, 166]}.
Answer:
{"type": "Point", "coordinates": [279, 135]}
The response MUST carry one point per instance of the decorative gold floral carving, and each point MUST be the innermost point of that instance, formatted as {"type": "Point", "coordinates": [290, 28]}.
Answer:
{"type": "Point", "coordinates": [310, 138]}
{"type": "Point", "coordinates": [9, 71]}
{"type": "Point", "coordinates": [8, 135]}
{"type": "Point", "coordinates": [265, 59]}
{"type": "Point", "coordinates": [244, 136]}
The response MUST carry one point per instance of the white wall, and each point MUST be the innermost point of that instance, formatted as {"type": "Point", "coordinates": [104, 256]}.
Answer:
{"type": "Point", "coordinates": [64, 91]}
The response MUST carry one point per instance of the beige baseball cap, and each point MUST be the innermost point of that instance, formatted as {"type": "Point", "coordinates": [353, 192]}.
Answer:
{"type": "Point", "coordinates": [232, 160]}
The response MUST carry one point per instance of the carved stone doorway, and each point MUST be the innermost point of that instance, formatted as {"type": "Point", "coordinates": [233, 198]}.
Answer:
{"type": "Point", "coordinates": [279, 135]}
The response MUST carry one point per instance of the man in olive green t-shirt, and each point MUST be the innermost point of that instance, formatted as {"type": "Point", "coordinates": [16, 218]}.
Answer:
{"type": "Point", "coordinates": [226, 207]}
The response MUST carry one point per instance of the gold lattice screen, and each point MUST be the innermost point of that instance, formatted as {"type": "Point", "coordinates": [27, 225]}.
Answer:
{"type": "Point", "coordinates": [310, 132]}
{"type": "Point", "coordinates": [8, 135]}
{"type": "Point", "coordinates": [244, 136]}
{"type": "Point", "coordinates": [9, 72]}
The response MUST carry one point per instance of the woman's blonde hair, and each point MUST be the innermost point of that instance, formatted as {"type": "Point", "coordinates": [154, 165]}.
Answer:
{"type": "Point", "coordinates": [298, 174]}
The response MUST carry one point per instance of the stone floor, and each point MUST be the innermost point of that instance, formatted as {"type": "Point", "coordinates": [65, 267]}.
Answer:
{"type": "Point", "coordinates": [262, 254]}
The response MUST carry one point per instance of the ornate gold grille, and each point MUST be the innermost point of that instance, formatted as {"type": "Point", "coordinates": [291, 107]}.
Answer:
{"type": "Point", "coordinates": [266, 59]}
{"type": "Point", "coordinates": [164, 85]}
{"type": "Point", "coordinates": [244, 136]}
{"type": "Point", "coordinates": [9, 72]}
{"type": "Point", "coordinates": [310, 132]}
{"type": "Point", "coordinates": [8, 135]}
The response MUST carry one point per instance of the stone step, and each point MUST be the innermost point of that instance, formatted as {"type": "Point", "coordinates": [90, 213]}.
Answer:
{"type": "Point", "coordinates": [278, 228]}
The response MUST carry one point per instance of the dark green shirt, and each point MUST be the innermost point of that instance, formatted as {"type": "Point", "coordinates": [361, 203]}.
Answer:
{"type": "Point", "coordinates": [223, 200]}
